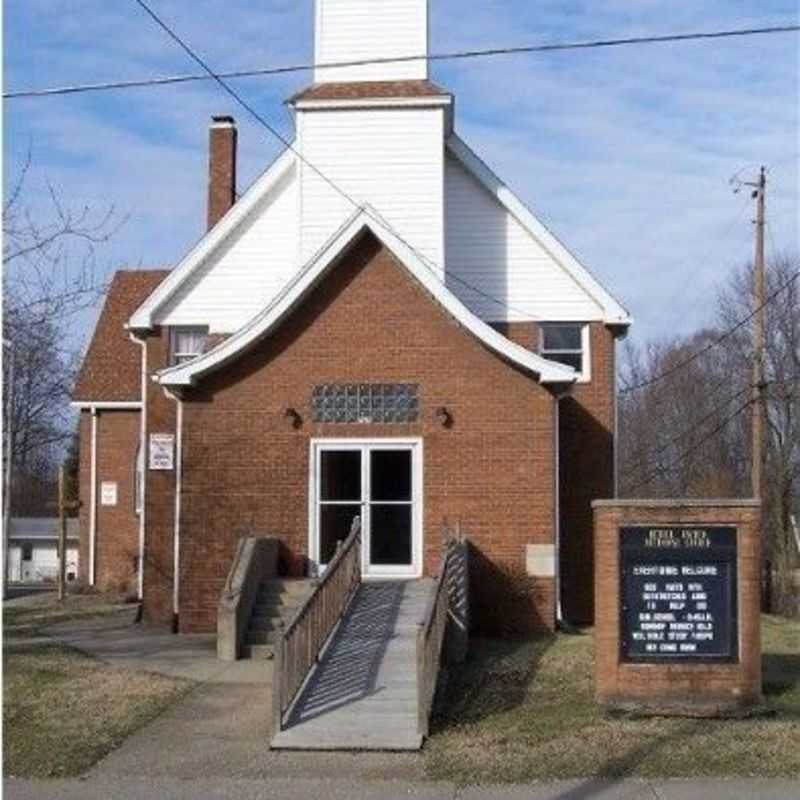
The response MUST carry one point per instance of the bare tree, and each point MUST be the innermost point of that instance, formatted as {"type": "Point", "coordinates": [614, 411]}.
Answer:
{"type": "Point", "coordinates": [685, 415]}
{"type": "Point", "coordinates": [50, 274]}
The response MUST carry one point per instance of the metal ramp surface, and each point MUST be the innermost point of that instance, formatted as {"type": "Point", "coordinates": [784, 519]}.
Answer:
{"type": "Point", "coordinates": [363, 693]}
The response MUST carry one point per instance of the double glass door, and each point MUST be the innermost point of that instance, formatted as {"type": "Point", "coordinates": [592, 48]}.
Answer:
{"type": "Point", "coordinates": [378, 482]}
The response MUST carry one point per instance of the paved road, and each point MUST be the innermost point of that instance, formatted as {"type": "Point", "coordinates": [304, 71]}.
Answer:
{"type": "Point", "coordinates": [302, 789]}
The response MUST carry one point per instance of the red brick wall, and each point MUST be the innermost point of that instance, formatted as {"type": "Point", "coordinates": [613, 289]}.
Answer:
{"type": "Point", "coordinates": [117, 527]}
{"type": "Point", "coordinates": [159, 494]}
{"type": "Point", "coordinates": [586, 435]}
{"type": "Point", "coordinates": [246, 468]}
{"type": "Point", "coordinates": [685, 687]}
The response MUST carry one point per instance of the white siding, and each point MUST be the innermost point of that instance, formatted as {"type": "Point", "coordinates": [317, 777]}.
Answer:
{"type": "Point", "coordinates": [246, 272]}
{"type": "Point", "coordinates": [490, 250]}
{"type": "Point", "coordinates": [355, 30]}
{"type": "Point", "coordinates": [391, 159]}
{"type": "Point", "coordinates": [43, 565]}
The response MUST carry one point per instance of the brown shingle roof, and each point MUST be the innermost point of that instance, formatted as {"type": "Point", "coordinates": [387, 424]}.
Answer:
{"type": "Point", "coordinates": [369, 90]}
{"type": "Point", "coordinates": [111, 369]}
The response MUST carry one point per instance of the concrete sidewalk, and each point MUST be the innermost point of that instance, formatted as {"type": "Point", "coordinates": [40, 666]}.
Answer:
{"type": "Point", "coordinates": [118, 640]}
{"type": "Point", "coordinates": [303, 788]}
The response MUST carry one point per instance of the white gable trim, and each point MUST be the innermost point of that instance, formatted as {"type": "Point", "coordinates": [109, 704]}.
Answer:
{"type": "Point", "coordinates": [614, 313]}
{"type": "Point", "coordinates": [143, 317]}
{"type": "Point", "coordinates": [293, 293]}
{"type": "Point", "coordinates": [437, 101]}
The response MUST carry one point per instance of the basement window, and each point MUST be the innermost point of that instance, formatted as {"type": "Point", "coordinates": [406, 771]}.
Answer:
{"type": "Point", "coordinates": [186, 343]}
{"type": "Point", "coordinates": [566, 343]}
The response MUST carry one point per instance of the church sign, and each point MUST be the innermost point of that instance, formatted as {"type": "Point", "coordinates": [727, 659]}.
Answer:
{"type": "Point", "coordinates": [678, 594]}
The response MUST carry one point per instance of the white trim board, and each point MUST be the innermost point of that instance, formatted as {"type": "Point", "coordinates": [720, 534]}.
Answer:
{"type": "Point", "coordinates": [107, 405]}
{"type": "Point", "coordinates": [613, 312]}
{"type": "Point", "coordinates": [293, 293]}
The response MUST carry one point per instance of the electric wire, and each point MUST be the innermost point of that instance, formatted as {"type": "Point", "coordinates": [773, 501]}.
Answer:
{"type": "Point", "coordinates": [686, 454]}
{"type": "Point", "coordinates": [458, 55]}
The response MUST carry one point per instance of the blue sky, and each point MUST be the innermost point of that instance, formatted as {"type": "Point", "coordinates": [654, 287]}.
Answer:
{"type": "Point", "coordinates": [624, 153]}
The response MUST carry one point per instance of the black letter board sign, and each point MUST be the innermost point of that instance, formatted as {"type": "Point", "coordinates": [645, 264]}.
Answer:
{"type": "Point", "coordinates": [679, 598]}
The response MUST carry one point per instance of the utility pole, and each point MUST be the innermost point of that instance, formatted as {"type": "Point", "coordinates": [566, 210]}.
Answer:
{"type": "Point", "coordinates": [8, 346]}
{"type": "Point", "coordinates": [62, 535]}
{"type": "Point", "coordinates": [758, 448]}
{"type": "Point", "coordinates": [759, 326]}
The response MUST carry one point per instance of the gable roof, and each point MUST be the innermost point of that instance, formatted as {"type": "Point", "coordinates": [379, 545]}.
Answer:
{"type": "Point", "coordinates": [142, 318]}
{"type": "Point", "coordinates": [614, 313]}
{"type": "Point", "coordinates": [112, 367]}
{"type": "Point", "coordinates": [307, 278]}
{"type": "Point", "coordinates": [360, 90]}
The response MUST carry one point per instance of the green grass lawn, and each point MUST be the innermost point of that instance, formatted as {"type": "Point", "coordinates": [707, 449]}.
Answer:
{"type": "Point", "coordinates": [521, 711]}
{"type": "Point", "coordinates": [64, 710]}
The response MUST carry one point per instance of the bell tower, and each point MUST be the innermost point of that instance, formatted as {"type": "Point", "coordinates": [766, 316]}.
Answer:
{"type": "Point", "coordinates": [362, 30]}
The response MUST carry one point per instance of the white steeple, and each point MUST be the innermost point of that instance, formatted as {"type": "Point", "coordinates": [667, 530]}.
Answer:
{"type": "Point", "coordinates": [356, 30]}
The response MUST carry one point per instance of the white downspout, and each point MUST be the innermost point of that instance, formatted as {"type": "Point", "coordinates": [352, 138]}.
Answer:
{"type": "Point", "coordinates": [615, 440]}
{"type": "Point", "coordinates": [557, 506]}
{"type": "Point", "coordinates": [93, 499]}
{"type": "Point", "coordinates": [143, 455]}
{"type": "Point", "coordinates": [176, 553]}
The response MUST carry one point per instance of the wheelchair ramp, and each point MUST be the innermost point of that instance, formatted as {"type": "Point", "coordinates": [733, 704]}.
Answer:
{"type": "Point", "coordinates": [363, 693]}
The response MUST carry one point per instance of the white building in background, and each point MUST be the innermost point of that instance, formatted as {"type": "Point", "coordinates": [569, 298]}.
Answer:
{"type": "Point", "coordinates": [33, 549]}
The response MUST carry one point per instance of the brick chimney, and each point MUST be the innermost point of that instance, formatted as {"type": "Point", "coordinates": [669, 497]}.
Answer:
{"type": "Point", "coordinates": [221, 168]}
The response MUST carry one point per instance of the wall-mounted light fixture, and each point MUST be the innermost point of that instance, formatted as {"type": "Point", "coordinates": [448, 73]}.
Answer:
{"type": "Point", "coordinates": [444, 417]}
{"type": "Point", "coordinates": [293, 415]}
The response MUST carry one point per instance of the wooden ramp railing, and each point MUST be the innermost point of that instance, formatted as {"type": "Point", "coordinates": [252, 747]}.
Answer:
{"type": "Point", "coordinates": [447, 607]}
{"type": "Point", "coordinates": [298, 647]}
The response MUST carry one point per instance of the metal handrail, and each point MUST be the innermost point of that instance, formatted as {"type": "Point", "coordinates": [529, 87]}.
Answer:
{"type": "Point", "coordinates": [299, 644]}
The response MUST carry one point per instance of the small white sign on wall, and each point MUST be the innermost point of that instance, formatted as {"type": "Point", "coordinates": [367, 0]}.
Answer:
{"type": "Point", "coordinates": [162, 451]}
{"type": "Point", "coordinates": [108, 493]}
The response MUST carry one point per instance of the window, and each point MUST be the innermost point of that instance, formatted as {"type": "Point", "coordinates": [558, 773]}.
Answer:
{"type": "Point", "coordinates": [186, 344]}
{"type": "Point", "coordinates": [27, 551]}
{"type": "Point", "coordinates": [365, 402]}
{"type": "Point", "coordinates": [567, 343]}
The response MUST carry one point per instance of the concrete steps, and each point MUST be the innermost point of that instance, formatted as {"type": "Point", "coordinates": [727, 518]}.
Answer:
{"type": "Point", "coordinates": [276, 603]}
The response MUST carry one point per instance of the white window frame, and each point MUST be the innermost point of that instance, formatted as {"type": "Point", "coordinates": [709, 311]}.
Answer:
{"type": "Point", "coordinates": [585, 373]}
{"type": "Point", "coordinates": [366, 446]}
{"type": "Point", "coordinates": [181, 358]}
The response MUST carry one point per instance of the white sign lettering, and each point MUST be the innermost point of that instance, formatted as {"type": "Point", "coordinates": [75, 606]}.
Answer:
{"type": "Point", "coordinates": [162, 451]}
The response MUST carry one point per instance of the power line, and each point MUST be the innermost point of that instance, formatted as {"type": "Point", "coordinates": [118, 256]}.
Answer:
{"type": "Point", "coordinates": [680, 459]}
{"type": "Point", "coordinates": [699, 424]}
{"type": "Point", "coordinates": [458, 55]}
{"type": "Point", "coordinates": [714, 343]}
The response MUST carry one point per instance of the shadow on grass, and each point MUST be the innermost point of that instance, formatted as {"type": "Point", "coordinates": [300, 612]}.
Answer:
{"type": "Point", "coordinates": [615, 770]}
{"type": "Point", "coordinates": [494, 679]}
{"type": "Point", "coordinates": [781, 673]}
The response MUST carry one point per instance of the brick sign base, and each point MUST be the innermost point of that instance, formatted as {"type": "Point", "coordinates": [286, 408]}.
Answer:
{"type": "Point", "coordinates": [677, 599]}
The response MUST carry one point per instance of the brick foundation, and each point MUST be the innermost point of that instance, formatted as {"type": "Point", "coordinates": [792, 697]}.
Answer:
{"type": "Point", "coordinates": [689, 687]}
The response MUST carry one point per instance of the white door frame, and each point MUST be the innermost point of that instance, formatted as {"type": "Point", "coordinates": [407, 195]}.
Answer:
{"type": "Point", "coordinates": [365, 446]}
